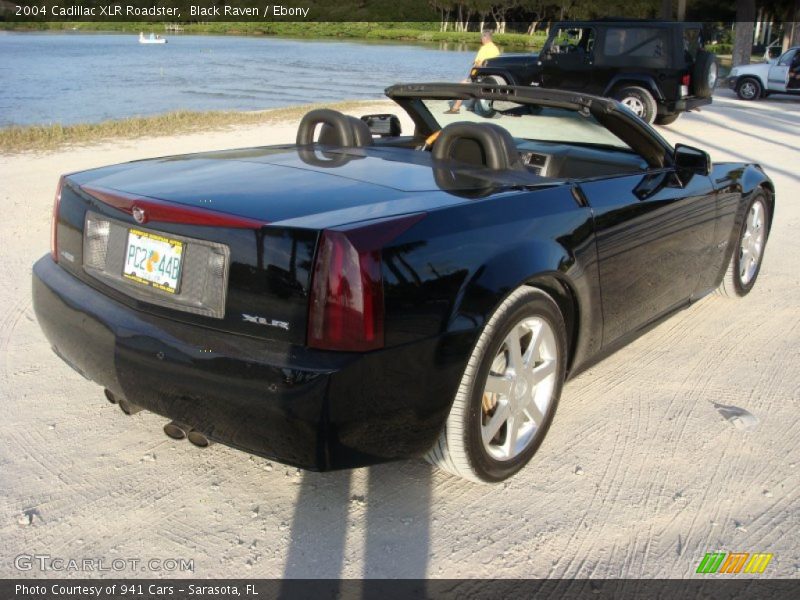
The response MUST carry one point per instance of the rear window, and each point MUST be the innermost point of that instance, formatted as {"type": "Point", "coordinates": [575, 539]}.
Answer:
{"type": "Point", "coordinates": [645, 45]}
{"type": "Point", "coordinates": [692, 43]}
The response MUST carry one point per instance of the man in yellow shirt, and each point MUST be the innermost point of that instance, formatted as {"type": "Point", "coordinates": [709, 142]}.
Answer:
{"type": "Point", "coordinates": [485, 52]}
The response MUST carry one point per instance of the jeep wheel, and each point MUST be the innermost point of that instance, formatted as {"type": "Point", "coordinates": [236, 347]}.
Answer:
{"type": "Point", "coordinates": [496, 79]}
{"type": "Point", "coordinates": [485, 108]}
{"type": "Point", "coordinates": [748, 88]}
{"type": "Point", "coordinates": [667, 119]}
{"type": "Point", "coordinates": [639, 101]}
{"type": "Point", "coordinates": [704, 74]}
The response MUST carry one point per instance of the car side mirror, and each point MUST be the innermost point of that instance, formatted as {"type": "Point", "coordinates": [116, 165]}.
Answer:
{"type": "Point", "coordinates": [383, 125]}
{"type": "Point", "coordinates": [691, 160]}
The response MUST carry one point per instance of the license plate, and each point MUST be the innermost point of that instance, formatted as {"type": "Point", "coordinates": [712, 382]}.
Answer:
{"type": "Point", "coordinates": [153, 260]}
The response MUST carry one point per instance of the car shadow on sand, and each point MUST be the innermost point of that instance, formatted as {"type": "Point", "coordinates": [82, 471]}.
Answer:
{"type": "Point", "coordinates": [385, 509]}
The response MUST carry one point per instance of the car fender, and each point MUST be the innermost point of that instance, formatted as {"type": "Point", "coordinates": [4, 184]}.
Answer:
{"type": "Point", "coordinates": [500, 72]}
{"type": "Point", "coordinates": [753, 179]}
{"type": "Point", "coordinates": [759, 69]}
{"type": "Point", "coordinates": [639, 79]}
{"type": "Point", "coordinates": [743, 180]}
{"type": "Point", "coordinates": [569, 277]}
{"type": "Point", "coordinates": [739, 76]}
{"type": "Point", "coordinates": [759, 72]}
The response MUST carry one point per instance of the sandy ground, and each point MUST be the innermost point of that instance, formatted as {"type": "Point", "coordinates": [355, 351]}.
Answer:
{"type": "Point", "coordinates": [639, 477]}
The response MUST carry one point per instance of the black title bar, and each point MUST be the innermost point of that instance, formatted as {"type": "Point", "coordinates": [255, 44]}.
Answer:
{"type": "Point", "coordinates": [398, 11]}
{"type": "Point", "coordinates": [712, 588]}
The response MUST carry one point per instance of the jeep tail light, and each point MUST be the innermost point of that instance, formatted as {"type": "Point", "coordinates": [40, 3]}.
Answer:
{"type": "Point", "coordinates": [346, 304]}
{"type": "Point", "coordinates": [686, 81]}
{"type": "Point", "coordinates": [54, 221]}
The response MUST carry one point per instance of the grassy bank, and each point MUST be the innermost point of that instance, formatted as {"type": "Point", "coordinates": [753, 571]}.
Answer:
{"type": "Point", "coordinates": [409, 32]}
{"type": "Point", "coordinates": [38, 138]}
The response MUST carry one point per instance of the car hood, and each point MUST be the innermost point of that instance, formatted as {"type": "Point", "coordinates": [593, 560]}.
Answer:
{"type": "Point", "coordinates": [507, 60]}
{"type": "Point", "coordinates": [761, 69]}
{"type": "Point", "coordinates": [298, 186]}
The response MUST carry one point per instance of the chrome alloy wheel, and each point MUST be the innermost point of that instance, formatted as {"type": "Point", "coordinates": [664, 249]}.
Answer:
{"type": "Point", "coordinates": [748, 90]}
{"type": "Point", "coordinates": [636, 105]}
{"type": "Point", "coordinates": [519, 389]}
{"type": "Point", "coordinates": [752, 244]}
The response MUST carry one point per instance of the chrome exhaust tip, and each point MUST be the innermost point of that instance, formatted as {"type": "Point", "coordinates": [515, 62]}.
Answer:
{"type": "Point", "coordinates": [128, 408]}
{"type": "Point", "coordinates": [198, 439]}
{"type": "Point", "coordinates": [176, 430]}
{"type": "Point", "coordinates": [109, 396]}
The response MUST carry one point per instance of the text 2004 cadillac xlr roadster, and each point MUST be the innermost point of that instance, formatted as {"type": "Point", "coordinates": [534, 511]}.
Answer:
{"type": "Point", "coordinates": [363, 295]}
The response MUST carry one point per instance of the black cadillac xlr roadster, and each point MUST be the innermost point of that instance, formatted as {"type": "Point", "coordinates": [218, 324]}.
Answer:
{"type": "Point", "coordinates": [363, 295]}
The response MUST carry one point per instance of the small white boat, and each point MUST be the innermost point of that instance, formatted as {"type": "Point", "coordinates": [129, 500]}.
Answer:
{"type": "Point", "coordinates": [152, 39]}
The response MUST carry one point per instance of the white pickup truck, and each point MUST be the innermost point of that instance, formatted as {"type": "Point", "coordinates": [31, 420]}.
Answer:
{"type": "Point", "coordinates": [778, 76]}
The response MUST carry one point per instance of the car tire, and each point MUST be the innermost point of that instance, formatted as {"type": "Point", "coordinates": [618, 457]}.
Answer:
{"type": "Point", "coordinates": [485, 108]}
{"type": "Point", "coordinates": [747, 256]}
{"type": "Point", "coordinates": [667, 119]}
{"type": "Point", "coordinates": [705, 74]}
{"type": "Point", "coordinates": [476, 442]}
{"type": "Point", "coordinates": [496, 79]}
{"type": "Point", "coordinates": [639, 101]}
{"type": "Point", "coordinates": [749, 88]}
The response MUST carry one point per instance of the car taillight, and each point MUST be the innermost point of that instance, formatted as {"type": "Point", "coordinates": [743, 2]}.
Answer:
{"type": "Point", "coordinates": [54, 221]}
{"type": "Point", "coordinates": [686, 81]}
{"type": "Point", "coordinates": [346, 305]}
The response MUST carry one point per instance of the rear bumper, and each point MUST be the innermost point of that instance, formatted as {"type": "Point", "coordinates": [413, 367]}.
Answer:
{"type": "Point", "coordinates": [312, 409]}
{"type": "Point", "coordinates": [686, 104]}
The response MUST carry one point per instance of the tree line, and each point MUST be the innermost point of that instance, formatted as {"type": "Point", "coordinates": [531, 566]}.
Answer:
{"type": "Point", "coordinates": [530, 16]}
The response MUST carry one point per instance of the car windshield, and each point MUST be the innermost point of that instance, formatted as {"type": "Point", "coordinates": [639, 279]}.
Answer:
{"type": "Point", "coordinates": [529, 122]}
{"type": "Point", "coordinates": [787, 58]}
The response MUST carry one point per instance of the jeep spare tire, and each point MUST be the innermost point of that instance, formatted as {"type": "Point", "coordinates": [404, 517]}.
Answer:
{"type": "Point", "coordinates": [704, 74]}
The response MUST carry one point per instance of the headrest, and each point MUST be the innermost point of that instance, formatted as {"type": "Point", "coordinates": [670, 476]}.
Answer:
{"type": "Point", "coordinates": [481, 144]}
{"type": "Point", "coordinates": [337, 129]}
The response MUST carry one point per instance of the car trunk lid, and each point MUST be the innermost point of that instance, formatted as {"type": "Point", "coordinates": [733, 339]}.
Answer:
{"type": "Point", "coordinates": [304, 189]}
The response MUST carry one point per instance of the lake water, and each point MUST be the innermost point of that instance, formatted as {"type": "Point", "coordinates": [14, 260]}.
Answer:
{"type": "Point", "coordinates": [70, 78]}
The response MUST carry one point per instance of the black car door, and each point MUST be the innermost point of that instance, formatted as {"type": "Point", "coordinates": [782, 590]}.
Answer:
{"type": "Point", "coordinates": [655, 244]}
{"type": "Point", "coordinates": [568, 59]}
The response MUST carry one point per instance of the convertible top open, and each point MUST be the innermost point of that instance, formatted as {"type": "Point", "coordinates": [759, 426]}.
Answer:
{"type": "Point", "coordinates": [365, 295]}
